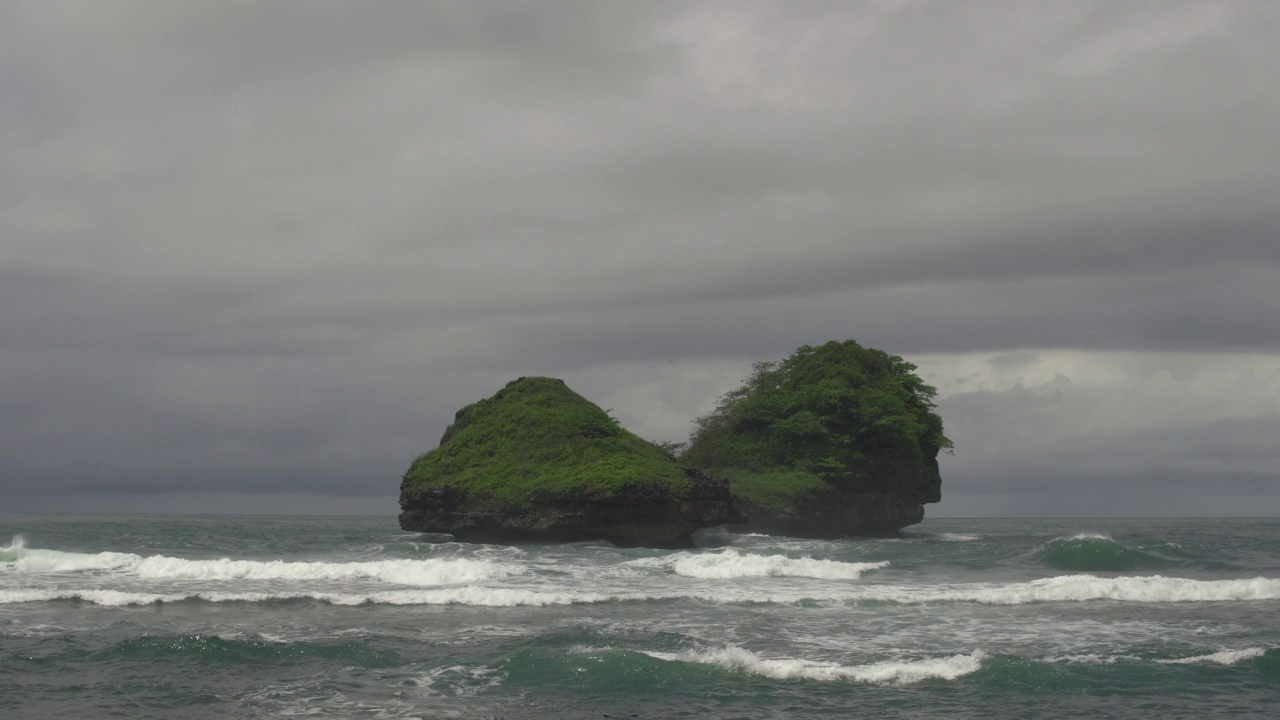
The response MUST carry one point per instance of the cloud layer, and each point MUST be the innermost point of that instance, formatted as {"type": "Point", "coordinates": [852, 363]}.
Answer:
{"type": "Point", "coordinates": [272, 248]}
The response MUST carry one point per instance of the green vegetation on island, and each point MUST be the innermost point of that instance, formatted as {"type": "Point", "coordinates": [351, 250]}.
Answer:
{"type": "Point", "coordinates": [831, 441]}
{"type": "Point", "coordinates": [834, 420]}
{"type": "Point", "coordinates": [537, 439]}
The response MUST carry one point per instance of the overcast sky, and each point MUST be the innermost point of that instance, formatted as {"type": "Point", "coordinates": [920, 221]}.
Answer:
{"type": "Point", "coordinates": [254, 255]}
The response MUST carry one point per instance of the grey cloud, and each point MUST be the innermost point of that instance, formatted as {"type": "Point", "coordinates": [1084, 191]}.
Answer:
{"type": "Point", "coordinates": [1062, 446]}
{"type": "Point", "coordinates": [1159, 493]}
{"type": "Point", "coordinates": [273, 246]}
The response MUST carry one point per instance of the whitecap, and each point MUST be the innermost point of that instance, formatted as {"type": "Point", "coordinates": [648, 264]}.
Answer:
{"type": "Point", "coordinates": [888, 672]}
{"type": "Point", "coordinates": [731, 563]}
{"type": "Point", "coordinates": [1092, 659]}
{"type": "Point", "coordinates": [427, 572]}
{"type": "Point", "coordinates": [957, 537]}
{"type": "Point", "coordinates": [1067, 588]}
{"type": "Point", "coordinates": [108, 598]}
{"type": "Point", "coordinates": [1224, 657]}
{"type": "Point", "coordinates": [1075, 588]}
{"type": "Point", "coordinates": [33, 560]}
{"type": "Point", "coordinates": [459, 680]}
{"type": "Point", "coordinates": [475, 596]}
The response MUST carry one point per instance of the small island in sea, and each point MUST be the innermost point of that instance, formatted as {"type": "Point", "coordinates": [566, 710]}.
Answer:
{"type": "Point", "coordinates": [539, 462]}
{"type": "Point", "coordinates": [833, 441]}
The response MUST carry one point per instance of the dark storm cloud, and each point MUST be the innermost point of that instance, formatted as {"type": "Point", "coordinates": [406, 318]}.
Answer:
{"type": "Point", "coordinates": [272, 246]}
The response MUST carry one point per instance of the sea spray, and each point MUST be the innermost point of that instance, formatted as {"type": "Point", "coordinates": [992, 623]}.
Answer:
{"type": "Point", "coordinates": [13, 550]}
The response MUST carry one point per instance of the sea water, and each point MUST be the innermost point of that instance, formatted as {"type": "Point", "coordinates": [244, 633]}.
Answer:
{"type": "Point", "coordinates": [257, 617]}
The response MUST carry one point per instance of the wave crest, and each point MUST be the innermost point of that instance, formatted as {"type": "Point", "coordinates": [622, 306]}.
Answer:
{"type": "Point", "coordinates": [471, 595]}
{"type": "Point", "coordinates": [1223, 657]}
{"type": "Point", "coordinates": [730, 563]}
{"type": "Point", "coordinates": [1077, 588]}
{"type": "Point", "coordinates": [429, 572]}
{"type": "Point", "coordinates": [889, 672]}
{"type": "Point", "coordinates": [1096, 553]}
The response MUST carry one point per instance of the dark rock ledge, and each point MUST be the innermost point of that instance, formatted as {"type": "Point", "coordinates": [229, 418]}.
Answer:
{"type": "Point", "coordinates": [642, 517]}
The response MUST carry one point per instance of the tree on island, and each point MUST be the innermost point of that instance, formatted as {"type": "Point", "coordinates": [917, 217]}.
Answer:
{"type": "Point", "coordinates": [837, 418]}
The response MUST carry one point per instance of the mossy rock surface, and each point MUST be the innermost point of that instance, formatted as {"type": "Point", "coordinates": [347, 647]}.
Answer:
{"type": "Point", "coordinates": [538, 461]}
{"type": "Point", "coordinates": [537, 438]}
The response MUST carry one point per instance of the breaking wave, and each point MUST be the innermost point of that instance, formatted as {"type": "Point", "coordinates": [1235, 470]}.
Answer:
{"type": "Point", "coordinates": [734, 564]}
{"type": "Point", "coordinates": [13, 550]}
{"type": "Point", "coordinates": [1096, 553]}
{"type": "Point", "coordinates": [477, 596]}
{"type": "Point", "coordinates": [1068, 588]}
{"type": "Point", "coordinates": [427, 572]}
{"type": "Point", "coordinates": [890, 672]}
{"type": "Point", "coordinates": [1224, 657]}
{"type": "Point", "coordinates": [1076, 588]}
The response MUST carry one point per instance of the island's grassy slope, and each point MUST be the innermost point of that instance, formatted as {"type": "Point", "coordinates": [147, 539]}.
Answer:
{"type": "Point", "coordinates": [836, 417]}
{"type": "Point", "coordinates": [538, 440]}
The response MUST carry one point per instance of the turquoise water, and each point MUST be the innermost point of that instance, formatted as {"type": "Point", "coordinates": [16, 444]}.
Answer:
{"type": "Point", "coordinates": [248, 617]}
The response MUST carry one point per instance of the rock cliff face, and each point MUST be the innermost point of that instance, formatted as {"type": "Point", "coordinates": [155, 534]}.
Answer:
{"type": "Point", "coordinates": [841, 512]}
{"type": "Point", "coordinates": [538, 462]}
{"type": "Point", "coordinates": [631, 517]}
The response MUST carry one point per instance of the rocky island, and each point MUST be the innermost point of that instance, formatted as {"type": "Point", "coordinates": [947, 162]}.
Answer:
{"type": "Point", "coordinates": [538, 462]}
{"type": "Point", "coordinates": [833, 441]}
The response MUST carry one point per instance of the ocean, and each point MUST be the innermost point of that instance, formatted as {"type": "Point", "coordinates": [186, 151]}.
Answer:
{"type": "Point", "coordinates": [275, 617]}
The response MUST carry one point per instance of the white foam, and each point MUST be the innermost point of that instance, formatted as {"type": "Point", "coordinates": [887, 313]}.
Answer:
{"type": "Point", "coordinates": [476, 596]}
{"type": "Point", "coordinates": [957, 537]}
{"type": "Point", "coordinates": [401, 572]}
{"type": "Point", "coordinates": [1076, 588]}
{"type": "Point", "coordinates": [1066, 588]}
{"type": "Point", "coordinates": [36, 561]}
{"type": "Point", "coordinates": [429, 572]}
{"type": "Point", "coordinates": [465, 681]}
{"type": "Point", "coordinates": [731, 563]}
{"type": "Point", "coordinates": [590, 649]}
{"type": "Point", "coordinates": [109, 598]}
{"type": "Point", "coordinates": [1224, 657]}
{"type": "Point", "coordinates": [1092, 659]}
{"type": "Point", "coordinates": [37, 630]}
{"type": "Point", "coordinates": [894, 672]}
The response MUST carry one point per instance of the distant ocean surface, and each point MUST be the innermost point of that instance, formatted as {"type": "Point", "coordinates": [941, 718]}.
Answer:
{"type": "Point", "coordinates": [266, 617]}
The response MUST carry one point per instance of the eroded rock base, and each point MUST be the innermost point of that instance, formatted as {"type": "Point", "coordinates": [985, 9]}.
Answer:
{"type": "Point", "coordinates": [628, 519]}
